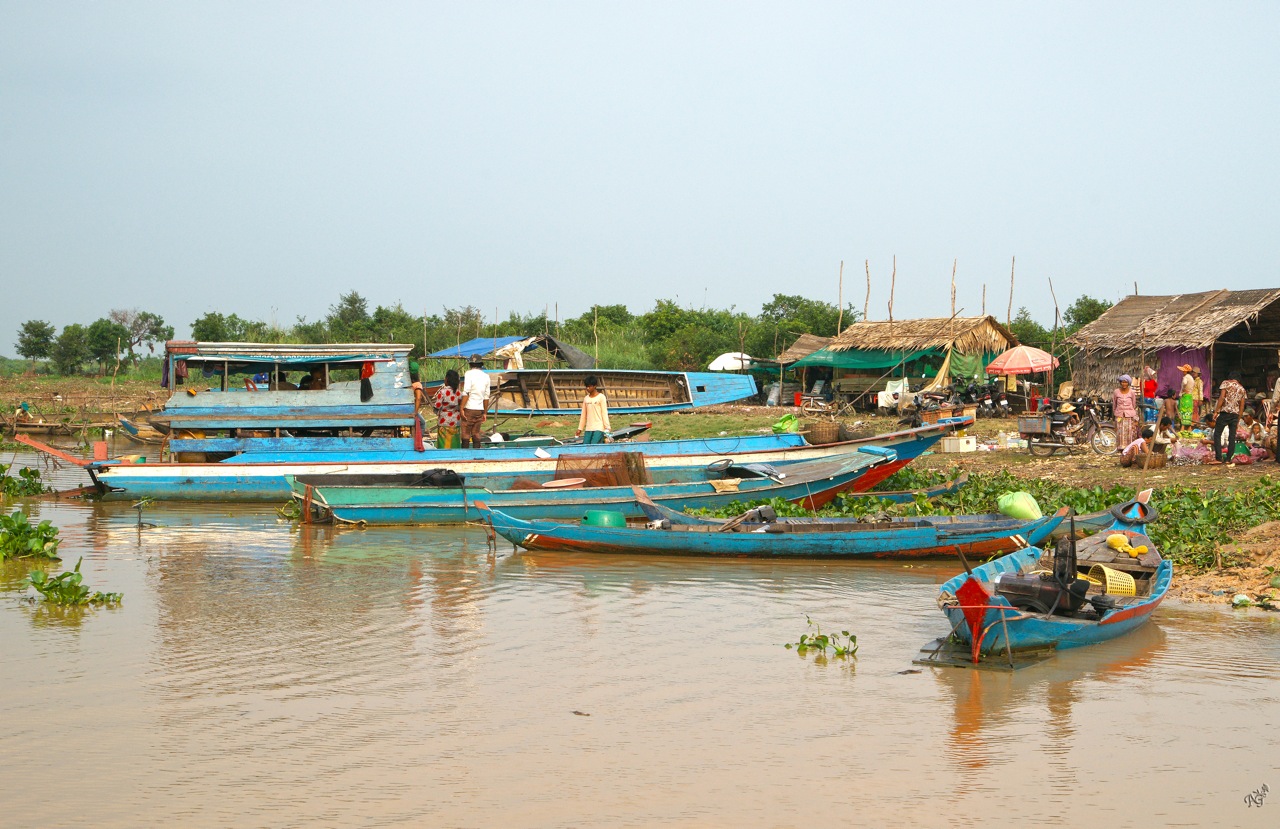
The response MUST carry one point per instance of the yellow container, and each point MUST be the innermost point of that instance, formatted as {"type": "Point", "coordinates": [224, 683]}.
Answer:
{"type": "Point", "coordinates": [1113, 581]}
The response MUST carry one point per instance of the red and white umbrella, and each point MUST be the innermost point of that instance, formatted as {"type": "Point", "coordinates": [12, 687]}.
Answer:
{"type": "Point", "coordinates": [1023, 359]}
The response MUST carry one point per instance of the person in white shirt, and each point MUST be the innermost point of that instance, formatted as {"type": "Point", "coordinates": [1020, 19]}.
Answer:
{"type": "Point", "coordinates": [475, 402]}
{"type": "Point", "coordinates": [593, 423]}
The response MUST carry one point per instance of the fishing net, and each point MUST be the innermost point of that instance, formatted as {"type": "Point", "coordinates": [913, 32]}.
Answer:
{"type": "Point", "coordinates": [611, 469]}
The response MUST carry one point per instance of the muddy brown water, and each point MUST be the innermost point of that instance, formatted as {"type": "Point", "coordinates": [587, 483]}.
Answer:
{"type": "Point", "coordinates": [259, 674]}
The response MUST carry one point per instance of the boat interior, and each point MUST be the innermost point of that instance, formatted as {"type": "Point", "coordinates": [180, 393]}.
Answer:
{"type": "Point", "coordinates": [566, 389]}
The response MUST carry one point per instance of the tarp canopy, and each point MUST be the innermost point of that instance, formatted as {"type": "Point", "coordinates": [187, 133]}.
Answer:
{"type": "Point", "coordinates": [862, 358]}
{"type": "Point", "coordinates": [492, 348]}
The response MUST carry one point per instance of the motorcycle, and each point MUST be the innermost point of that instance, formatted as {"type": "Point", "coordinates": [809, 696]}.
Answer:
{"type": "Point", "coordinates": [1069, 425]}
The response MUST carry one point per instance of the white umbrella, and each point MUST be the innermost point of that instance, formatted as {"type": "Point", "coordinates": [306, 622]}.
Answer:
{"type": "Point", "coordinates": [733, 361]}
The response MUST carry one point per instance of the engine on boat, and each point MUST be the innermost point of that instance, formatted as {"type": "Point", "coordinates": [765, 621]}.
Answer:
{"type": "Point", "coordinates": [1060, 591]}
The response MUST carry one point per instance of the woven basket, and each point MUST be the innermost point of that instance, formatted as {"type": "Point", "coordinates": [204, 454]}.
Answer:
{"type": "Point", "coordinates": [1113, 581]}
{"type": "Point", "coordinates": [824, 431]}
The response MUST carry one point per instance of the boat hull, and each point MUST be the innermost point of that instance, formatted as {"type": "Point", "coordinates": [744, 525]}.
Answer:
{"type": "Point", "coordinates": [913, 538]}
{"type": "Point", "coordinates": [811, 482]}
{"type": "Point", "coordinates": [268, 480]}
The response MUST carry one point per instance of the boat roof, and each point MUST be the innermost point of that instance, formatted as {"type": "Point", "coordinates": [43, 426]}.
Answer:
{"type": "Point", "coordinates": [283, 352]}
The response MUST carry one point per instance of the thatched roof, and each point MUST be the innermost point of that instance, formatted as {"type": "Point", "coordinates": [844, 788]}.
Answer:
{"type": "Point", "coordinates": [803, 347]}
{"type": "Point", "coordinates": [966, 335]}
{"type": "Point", "coordinates": [1179, 321]}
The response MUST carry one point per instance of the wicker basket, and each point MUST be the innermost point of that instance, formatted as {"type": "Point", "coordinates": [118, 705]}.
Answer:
{"type": "Point", "coordinates": [823, 431]}
{"type": "Point", "coordinates": [1114, 582]}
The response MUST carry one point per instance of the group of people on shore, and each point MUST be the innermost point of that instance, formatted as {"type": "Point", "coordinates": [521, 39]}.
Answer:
{"type": "Point", "coordinates": [1238, 431]}
{"type": "Point", "coordinates": [462, 405]}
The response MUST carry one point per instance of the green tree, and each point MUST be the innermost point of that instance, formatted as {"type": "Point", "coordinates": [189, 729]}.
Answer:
{"type": "Point", "coordinates": [35, 340]}
{"type": "Point", "coordinates": [1030, 332]}
{"type": "Point", "coordinates": [105, 340]}
{"type": "Point", "coordinates": [71, 349]}
{"type": "Point", "coordinates": [685, 339]}
{"type": "Point", "coordinates": [216, 328]}
{"type": "Point", "coordinates": [1083, 311]}
{"type": "Point", "coordinates": [785, 317]}
{"type": "Point", "coordinates": [349, 321]}
{"type": "Point", "coordinates": [144, 327]}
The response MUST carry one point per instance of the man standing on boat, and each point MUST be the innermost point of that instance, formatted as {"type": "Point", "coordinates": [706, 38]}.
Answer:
{"type": "Point", "coordinates": [475, 402]}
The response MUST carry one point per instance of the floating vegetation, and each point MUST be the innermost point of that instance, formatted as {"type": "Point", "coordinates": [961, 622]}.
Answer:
{"type": "Point", "coordinates": [1193, 523]}
{"type": "Point", "coordinates": [68, 589]}
{"type": "Point", "coordinates": [19, 538]}
{"type": "Point", "coordinates": [25, 482]}
{"type": "Point", "coordinates": [840, 644]}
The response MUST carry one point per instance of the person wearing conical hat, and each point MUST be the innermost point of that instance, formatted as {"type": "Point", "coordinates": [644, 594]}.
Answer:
{"type": "Point", "coordinates": [1187, 396]}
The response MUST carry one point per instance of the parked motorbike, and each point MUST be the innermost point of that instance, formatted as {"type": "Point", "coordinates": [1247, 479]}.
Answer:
{"type": "Point", "coordinates": [1069, 425]}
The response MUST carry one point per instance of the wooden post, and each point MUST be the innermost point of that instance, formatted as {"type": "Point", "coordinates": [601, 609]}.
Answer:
{"type": "Point", "coordinates": [954, 262]}
{"type": "Point", "coordinates": [840, 299]}
{"type": "Point", "coordinates": [595, 329]}
{"type": "Point", "coordinates": [893, 282]}
{"type": "Point", "coordinates": [984, 299]}
{"type": "Point", "coordinates": [1008, 317]}
{"type": "Point", "coordinates": [866, 304]}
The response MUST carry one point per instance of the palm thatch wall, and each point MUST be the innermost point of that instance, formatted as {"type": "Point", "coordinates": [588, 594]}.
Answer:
{"type": "Point", "coordinates": [966, 335]}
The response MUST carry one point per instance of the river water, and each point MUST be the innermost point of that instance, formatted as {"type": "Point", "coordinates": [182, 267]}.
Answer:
{"type": "Point", "coordinates": [260, 674]}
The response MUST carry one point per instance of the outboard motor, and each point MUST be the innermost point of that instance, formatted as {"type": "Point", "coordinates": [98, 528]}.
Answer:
{"type": "Point", "coordinates": [1058, 592]}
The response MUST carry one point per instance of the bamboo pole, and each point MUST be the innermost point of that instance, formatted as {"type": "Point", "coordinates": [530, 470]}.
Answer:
{"type": "Point", "coordinates": [893, 282]}
{"type": "Point", "coordinates": [1008, 317]}
{"type": "Point", "coordinates": [840, 300]}
{"type": "Point", "coordinates": [866, 303]}
{"type": "Point", "coordinates": [984, 299]}
{"type": "Point", "coordinates": [954, 262]}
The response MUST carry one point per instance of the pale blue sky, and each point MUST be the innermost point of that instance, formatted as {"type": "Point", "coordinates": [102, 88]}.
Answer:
{"type": "Point", "coordinates": [262, 158]}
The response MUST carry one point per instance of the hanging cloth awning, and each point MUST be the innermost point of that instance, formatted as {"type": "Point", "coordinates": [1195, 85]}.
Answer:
{"type": "Point", "coordinates": [862, 358]}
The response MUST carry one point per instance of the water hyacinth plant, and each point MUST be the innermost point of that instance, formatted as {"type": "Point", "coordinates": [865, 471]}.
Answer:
{"type": "Point", "coordinates": [26, 482]}
{"type": "Point", "coordinates": [840, 644]}
{"type": "Point", "coordinates": [68, 589]}
{"type": "Point", "coordinates": [19, 538]}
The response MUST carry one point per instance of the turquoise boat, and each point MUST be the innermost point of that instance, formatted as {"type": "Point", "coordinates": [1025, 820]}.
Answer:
{"type": "Point", "coordinates": [1079, 593]}
{"type": "Point", "coordinates": [670, 533]}
{"type": "Point", "coordinates": [445, 497]}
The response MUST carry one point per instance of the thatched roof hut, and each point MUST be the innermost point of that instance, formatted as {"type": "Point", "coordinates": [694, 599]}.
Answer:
{"type": "Point", "coordinates": [964, 335]}
{"type": "Point", "coordinates": [947, 346]}
{"type": "Point", "coordinates": [1221, 332]}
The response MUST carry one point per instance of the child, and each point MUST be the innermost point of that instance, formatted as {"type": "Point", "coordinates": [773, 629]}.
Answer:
{"type": "Point", "coordinates": [1139, 449]}
{"type": "Point", "coordinates": [593, 423]}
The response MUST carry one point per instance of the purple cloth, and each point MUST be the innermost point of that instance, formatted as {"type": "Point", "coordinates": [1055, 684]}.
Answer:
{"type": "Point", "coordinates": [1168, 376]}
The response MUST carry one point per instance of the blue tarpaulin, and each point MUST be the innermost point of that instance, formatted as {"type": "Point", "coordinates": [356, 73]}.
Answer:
{"type": "Point", "coordinates": [481, 345]}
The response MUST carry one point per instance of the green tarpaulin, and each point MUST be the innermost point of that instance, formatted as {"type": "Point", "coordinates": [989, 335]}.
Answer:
{"type": "Point", "coordinates": [862, 359]}
{"type": "Point", "coordinates": [971, 365]}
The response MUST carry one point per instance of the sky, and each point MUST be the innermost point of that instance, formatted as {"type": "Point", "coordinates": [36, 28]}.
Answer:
{"type": "Point", "coordinates": [263, 158]}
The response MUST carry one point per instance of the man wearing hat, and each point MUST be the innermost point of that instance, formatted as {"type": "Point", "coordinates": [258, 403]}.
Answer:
{"type": "Point", "coordinates": [475, 402]}
{"type": "Point", "coordinates": [1187, 397]}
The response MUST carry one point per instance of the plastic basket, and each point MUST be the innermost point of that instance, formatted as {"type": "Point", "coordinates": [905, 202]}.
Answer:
{"type": "Point", "coordinates": [1113, 581]}
{"type": "Point", "coordinates": [1033, 424]}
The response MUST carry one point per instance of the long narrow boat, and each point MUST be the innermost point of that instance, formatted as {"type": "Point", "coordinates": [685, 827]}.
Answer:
{"type": "Point", "coordinates": [1077, 594]}
{"type": "Point", "coordinates": [142, 435]}
{"type": "Point", "coordinates": [560, 391]}
{"type": "Point", "coordinates": [800, 538]}
{"type": "Point", "coordinates": [266, 478]}
{"type": "Point", "coordinates": [812, 483]}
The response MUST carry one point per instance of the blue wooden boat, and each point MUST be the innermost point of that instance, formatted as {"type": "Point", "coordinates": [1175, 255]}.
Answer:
{"type": "Point", "coordinates": [809, 482]}
{"type": "Point", "coordinates": [263, 476]}
{"type": "Point", "coordinates": [559, 391]}
{"type": "Point", "coordinates": [1079, 593]}
{"type": "Point", "coordinates": [673, 534]}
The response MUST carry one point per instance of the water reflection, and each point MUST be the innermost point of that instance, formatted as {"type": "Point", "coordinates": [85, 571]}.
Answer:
{"type": "Point", "coordinates": [994, 711]}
